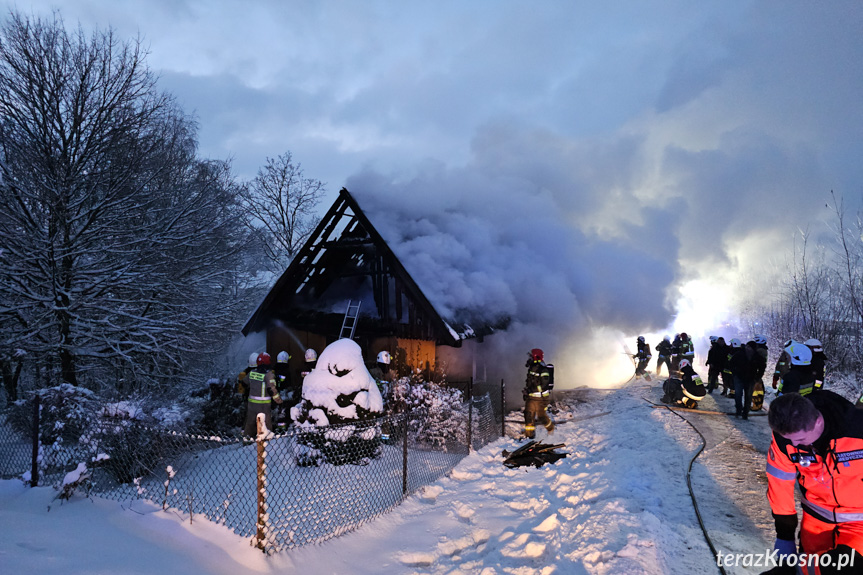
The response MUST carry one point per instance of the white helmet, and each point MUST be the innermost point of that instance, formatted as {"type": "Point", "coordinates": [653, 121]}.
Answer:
{"type": "Point", "coordinates": [253, 359]}
{"type": "Point", "coordinates": [666, 338]}
{"type": "Point", "coordinates": [311, 355]}
{"type": "Point", "coordinates": [641, 339]}
{"type": "Point", "coordinates": [800, 354]}
{"type": "Point", "coordinates": [384, 357]}
{"type": "Point", "coordinates": [813, 344]}
{"type": "Point", "coordinates": [713, 339]}
{"type": "Point", "coordinates": [684, 363]}
{"type": "Point", "coordinates": [283, 357]}
{"type": "Point", "coordinates": [735, 342]}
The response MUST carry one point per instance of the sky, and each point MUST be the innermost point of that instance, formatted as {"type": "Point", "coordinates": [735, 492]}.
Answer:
{"type": "Point", "coordinates": [524, 158]}
{"type": "Point", "coordinates": [618, 503]}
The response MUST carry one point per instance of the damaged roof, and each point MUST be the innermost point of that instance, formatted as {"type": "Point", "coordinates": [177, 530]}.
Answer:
{"type": "Point", "coordinates": [346, 259]}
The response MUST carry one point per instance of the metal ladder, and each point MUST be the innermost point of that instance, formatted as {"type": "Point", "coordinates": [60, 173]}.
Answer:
{"type": "Point", "coordinates": [349, 324]}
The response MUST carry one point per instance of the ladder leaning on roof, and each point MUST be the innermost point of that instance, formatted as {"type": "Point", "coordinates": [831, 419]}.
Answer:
{"type": "Point", "coordinates": [349, 324]}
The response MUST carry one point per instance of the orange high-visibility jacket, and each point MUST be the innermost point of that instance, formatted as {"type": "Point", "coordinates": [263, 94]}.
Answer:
{"type": "Point", "coordinates": [830, 476]}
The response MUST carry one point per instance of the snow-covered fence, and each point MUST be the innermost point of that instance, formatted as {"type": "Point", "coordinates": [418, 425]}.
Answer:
{"type": "Point", "coordinates": [16, 449]}
{"type": "Point", "coordinates": [321, 481]}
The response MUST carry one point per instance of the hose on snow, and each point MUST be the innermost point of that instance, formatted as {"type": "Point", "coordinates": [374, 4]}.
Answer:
{"type": "Point", "coordinates": [689, 486]}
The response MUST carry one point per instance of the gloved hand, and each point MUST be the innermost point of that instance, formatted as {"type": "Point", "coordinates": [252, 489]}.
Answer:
{"type": "Point", "coordinates": [775, 381]}
{"type": "Point", "coordinates": [785, 547]}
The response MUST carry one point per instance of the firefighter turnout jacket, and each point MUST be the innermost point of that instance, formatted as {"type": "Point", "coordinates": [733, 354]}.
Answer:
{"type": "Point", "coordinates": [540, 379]}
{"type": "Point", "coordinates": [261, 382]}
{"type": "Point", "coordinates": [829, 474]}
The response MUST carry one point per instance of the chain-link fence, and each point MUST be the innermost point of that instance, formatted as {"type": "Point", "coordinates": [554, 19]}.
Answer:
{"type": "Point", "coordinates": [315, 483]}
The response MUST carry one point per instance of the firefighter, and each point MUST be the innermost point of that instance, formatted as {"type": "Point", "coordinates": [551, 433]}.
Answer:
{"type": "Point", "coordinates": [818, 444]}
{"type": "Point", "coordinates": [783, 364]}
{"type": "Point", "coordinates": [311, 357]}
{"type": "Point", "coordinates": [758, 387]}
{"type": "Point", "coordinates": [261, 383]}
{"type": "Point", "coordinates": [242, 388]}
{"type": "Point", "coordinates": [799, 378]}
{"type": "Point", "coordinates": [381, 372]}
{"type": "Point", "coordinates": [285, 387]}
{"type": "Point", "coordinates": [818, 361]}
{"type": "Point", "coordinates": [675, 353]}
{"type": "Point", "coordinates": [686, 391]}
{"type": "Point", "coordinates": [727, 376]}
{"type": "Point", "coordinates": [537, 393]}
{"type": "Point", "coordinates": [663, 348]}
{"type": "Point", "coordinates": [715, 362]}
{"type": "Point", "coordinates": [642, 358]}
{"type": "Point", "coordinates": [686, 349]}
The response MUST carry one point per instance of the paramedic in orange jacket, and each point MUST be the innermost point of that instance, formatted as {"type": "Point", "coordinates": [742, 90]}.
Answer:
{"type": "Point", "coordinates": [818, 445]}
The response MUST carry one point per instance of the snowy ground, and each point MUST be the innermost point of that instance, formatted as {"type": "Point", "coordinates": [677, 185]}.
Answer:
{"type": "Point", "coordinates": [618, 504]}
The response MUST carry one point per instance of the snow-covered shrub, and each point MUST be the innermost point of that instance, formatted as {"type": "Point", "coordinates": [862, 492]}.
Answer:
{"type": "Point", "coordinates": [80, 477]}
{"type": "Point", "coordinates": [66, 412]}
{"type": "Point", "coordinates": [136, 450]}
{"type": "Point", "coordinates": [340, 390]}
{"type": "Point", "coordinates": [440, 415]}
{"type": "Point", "coordinates": [222, 410]}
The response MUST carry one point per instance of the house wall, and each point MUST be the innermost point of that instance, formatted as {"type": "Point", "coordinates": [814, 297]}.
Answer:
{"type": "Point", "coordinates": [462, 363]}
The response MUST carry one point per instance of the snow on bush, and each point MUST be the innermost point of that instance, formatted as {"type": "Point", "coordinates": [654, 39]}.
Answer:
{"type": "Point", "coordinates": [339, 390]}
{"type": "Point", "coordinates": [65, 413]}
{"type": "Point", "coordinates": [124, 410]}
{"type": "Point", "coordinates": [441, 416]}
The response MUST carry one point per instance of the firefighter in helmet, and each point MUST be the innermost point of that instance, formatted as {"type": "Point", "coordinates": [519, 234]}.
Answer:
{"type": "Point", "coordinates": [537, 393]}
{"type": "Point", "coordinates": [261, 383]}
{"type": "Point", "coordinates": [311, 357]}
{"type": "Point", "coordinates": [381, 372]}
{"type": "Point", "coordinates": [242, 387]}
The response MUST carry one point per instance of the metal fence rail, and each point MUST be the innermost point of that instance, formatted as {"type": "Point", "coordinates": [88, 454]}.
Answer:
{"type": "Point", "coordinates": [320, 481]}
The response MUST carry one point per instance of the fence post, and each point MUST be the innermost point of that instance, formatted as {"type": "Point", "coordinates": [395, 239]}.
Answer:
{"type": "Point", "coordinates": [404, 454]}
{"type": "Point", "coordinates": [502, 408]}
{"type": "Point", "coordinates": [260, 540]}
{"type": "Point", "coordinates": [34, 467]}
{"type": "Point", "coordinates": [470, 415]}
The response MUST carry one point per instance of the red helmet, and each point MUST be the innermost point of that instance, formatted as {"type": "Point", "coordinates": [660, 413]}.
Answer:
{"type": "Point", "coordinates": [264, 359]}
{"type": "Point", "coordinates": [536, 354]}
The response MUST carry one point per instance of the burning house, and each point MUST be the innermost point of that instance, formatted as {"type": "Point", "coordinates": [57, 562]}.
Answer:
{"type": "Point", "coordinates": [347, 282]}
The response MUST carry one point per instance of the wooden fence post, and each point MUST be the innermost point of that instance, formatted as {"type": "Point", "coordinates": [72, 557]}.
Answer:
{"type": "Point", "coordinates": [260, 540]}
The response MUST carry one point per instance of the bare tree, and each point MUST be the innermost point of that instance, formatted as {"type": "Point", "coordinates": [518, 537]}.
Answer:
{"type": "Point", "coordinates": [117, 241]}
{"type": "Point", "coordinates": [281, 202]}
{"type": "Point", "coordinates": [849, 272]}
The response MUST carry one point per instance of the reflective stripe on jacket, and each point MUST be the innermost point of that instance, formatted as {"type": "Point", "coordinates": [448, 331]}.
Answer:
{"type": "Point", "coordinates": [258, 385]}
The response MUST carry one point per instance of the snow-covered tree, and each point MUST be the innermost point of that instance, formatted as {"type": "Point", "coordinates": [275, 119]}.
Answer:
{"type": "Point", "coordinates": [340, 390]}
{"type": "Point", "coordinates": [118, 243]}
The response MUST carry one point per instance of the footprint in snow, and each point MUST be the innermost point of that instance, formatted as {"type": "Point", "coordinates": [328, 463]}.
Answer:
{"type": "Point", "coordinates": [430, 493]}
{"type": "Point", "coordinates": [416, 559]}
{"type": "Point", "coordinates": [465, 513]}
{"type": "Point", "coordinates": [550, 524]}
{"type": "Point", "coordinates": [464, 475]}
{"type": "Point", "coordinates": [473, 539]}
{"type": "Point", "coordinates": [522, 548]}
